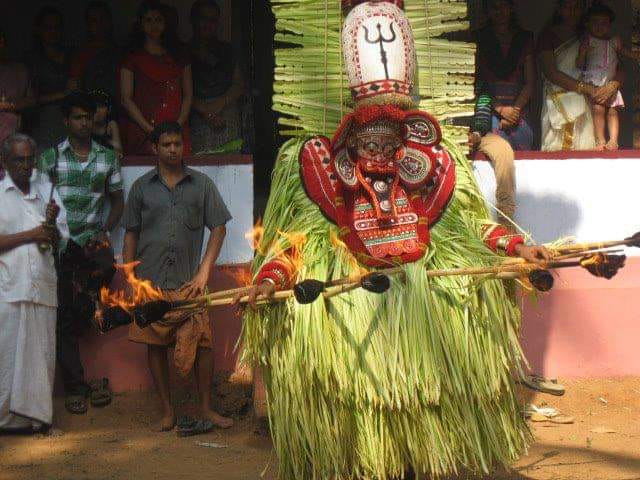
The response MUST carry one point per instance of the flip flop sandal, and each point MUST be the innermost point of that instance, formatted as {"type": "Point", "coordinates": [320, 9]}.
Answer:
{"type": "Point", "coordinates": [559, 418]}
{"type": "Point", "coordinates": [101, 394]}
{"type": "Point", "coordinates": [539, 384]}
{"type": "Point", "coordinates": [75, 404]}
{"type": "Point", "coordinates": [189, 426]}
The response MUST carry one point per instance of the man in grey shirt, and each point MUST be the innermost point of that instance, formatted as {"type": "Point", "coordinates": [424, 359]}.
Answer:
{"type": "Point", "coordinates": [166, 212]}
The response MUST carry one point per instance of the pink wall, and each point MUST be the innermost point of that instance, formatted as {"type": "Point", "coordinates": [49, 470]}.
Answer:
{"type": "Point", "coordinates": [585, 327]}
{"type": "Point", "coordinates": [125, 362]}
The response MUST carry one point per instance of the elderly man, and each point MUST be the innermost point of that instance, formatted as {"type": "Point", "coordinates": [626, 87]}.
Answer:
{"type": "Point", "coordinates": [29, 234]}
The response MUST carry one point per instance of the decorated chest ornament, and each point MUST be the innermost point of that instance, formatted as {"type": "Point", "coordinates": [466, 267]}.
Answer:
{"type": "Point", "coordinates": [383, 179]}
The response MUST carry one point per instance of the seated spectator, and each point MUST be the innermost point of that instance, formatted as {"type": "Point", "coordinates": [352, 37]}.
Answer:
{"type": "Point", "coordinates": [49, 67]}
{"type": "Point", "coordinates": [567, 123]}
{"type": "Point", "coordinates": [218, 85]}
{"type": "Point", "coordinates": [29, 231]}
{"type": "Point", "coordinates": [166, 213]}
{"type": "Point", "coordinates": [94, 66]}
{"type": "Point", "coordinates": [499, 152]}
{"type": "Point", "coordinates": [506, 72]}
{"type": "Point", "coordinates": [105, 128]}
{"type": "Point", "coordinates": [15, 94]}
{"type": "Point", "coordinates": [156, 83]}
{"type": "Point", "coordinates": [87, 175]}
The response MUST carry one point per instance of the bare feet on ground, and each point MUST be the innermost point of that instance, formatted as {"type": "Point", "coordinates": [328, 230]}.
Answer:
{"type": "Point", "coordinates": [217, 419]}
{"type": "Point", "coordinates": [262, 427]}
{"type": "Point", "coordinates": [166, 423]}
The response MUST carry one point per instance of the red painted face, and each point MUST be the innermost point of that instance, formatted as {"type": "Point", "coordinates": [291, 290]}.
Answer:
{"type": "Point", "coordinates": [377, 153]}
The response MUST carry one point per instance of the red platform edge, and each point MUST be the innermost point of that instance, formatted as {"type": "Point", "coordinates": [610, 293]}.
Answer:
{"type": "Point", "coordinates": [568, 155]}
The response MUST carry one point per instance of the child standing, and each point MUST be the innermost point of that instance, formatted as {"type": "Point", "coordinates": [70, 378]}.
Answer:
{"type": "Point", "coordinates": [598, 60]}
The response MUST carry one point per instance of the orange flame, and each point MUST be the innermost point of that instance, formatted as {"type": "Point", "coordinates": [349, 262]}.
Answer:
{"type": "Point", "coordinates": [254, 237]}
{"type": "Point", "coordinates": [140, 291]}
{"type": "Point", "coordinates": [292, 254]}
{"type": "Point", "coordinates": [337, 242]}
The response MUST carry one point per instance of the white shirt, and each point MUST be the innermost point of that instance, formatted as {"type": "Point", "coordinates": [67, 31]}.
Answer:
{"type": "Point", "coordinates": [26, 274]}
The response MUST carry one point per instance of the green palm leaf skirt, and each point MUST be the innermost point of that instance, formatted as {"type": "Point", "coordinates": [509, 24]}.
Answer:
{"type": "Point", "coordinates": [365, 385]}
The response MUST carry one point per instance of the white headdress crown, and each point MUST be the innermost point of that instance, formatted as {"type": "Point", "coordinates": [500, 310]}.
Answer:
{"type": "Point", "coordinates": [379, 54]}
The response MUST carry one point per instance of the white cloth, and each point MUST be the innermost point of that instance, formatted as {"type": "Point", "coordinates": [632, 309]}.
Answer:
{"type": "Point", "coordinates": [26, 274]}
{"type": "Point", "coordinates": [27, 364]}
{"type": "Point", "coordinates": [567, 123]}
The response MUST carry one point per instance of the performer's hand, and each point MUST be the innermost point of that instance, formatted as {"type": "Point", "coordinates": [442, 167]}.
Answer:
{"type": "Point", "coordinates": [197, 285]}
{"type": "Point", "coordinates": [266, 289]}
{"type": "Point", "coordinates": [533, 253]}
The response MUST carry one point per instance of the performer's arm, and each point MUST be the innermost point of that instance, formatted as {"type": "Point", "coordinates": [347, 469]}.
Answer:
{"type": "Point", "coordinates": [500, 240]}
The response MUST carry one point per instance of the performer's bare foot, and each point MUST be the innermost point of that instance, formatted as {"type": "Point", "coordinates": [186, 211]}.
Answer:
{"type": "Point", "coordinates": [217, 419]}
{"type": "Point", "coordinates": [166, 423]}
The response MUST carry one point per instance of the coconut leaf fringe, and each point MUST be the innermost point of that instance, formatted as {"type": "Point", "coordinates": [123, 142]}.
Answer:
{"type": "Point", "coordinates": [365, 385]}
{"type": "Point", "coordinates": [311, 87]}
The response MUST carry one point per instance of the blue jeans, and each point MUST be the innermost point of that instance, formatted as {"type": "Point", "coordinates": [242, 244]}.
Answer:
{"type": "Point", "coordinates": [520, 137]}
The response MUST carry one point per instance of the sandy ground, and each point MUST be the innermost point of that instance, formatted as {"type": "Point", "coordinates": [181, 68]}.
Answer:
{"type": "Point", "coordinates": [116, 443]}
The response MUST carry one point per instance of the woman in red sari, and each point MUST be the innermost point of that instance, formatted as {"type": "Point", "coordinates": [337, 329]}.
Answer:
{"type": "Point", "coordinates": [156, 84]}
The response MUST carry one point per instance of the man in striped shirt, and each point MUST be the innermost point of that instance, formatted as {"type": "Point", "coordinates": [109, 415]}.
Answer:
{"type": "Point", "coordinates": [86, 175]}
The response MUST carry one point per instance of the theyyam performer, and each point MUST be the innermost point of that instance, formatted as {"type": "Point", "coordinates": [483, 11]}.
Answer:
{"type": "Point", "coordinates": [419, 379]}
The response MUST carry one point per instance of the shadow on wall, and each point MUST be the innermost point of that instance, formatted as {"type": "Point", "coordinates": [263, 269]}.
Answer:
{"type": "Point", "coordinates": [555, 215]}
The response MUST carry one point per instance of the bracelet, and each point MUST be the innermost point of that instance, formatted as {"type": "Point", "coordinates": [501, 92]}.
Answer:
{"type": "Point", "coordinates": [581, 87]}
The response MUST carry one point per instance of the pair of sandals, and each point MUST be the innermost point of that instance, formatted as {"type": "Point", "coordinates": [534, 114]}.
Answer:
{"type": "Point", "coordinates": [606, 146]}
{"type": "Point", "coordinates": [188, 426]}
{"type": "Point", "coordinates": [100, 395]}
{"type": "Point", "coordinates": [540, 384]}
{"type": "Point", "coordinates": [546, 414]}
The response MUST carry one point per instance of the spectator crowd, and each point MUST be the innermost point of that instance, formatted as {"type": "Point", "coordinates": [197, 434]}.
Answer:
{"type": "Point", "coordinates": [578, 58]}
{"type": "Point", "coordinates": [157, 77]}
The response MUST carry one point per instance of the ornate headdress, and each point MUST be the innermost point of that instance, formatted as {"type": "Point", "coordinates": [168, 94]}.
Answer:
{"type": "Point", "coordinates": [379, 53]}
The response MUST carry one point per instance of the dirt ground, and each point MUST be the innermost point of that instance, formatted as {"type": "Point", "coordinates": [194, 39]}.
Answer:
{"type": "Point", "coordinates": [116, 443]}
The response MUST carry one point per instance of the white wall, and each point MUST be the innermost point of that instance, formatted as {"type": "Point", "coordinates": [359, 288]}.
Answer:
{"type": "Point", "coordinates": [235, 184]}
{"type": "Point", "coordinates": [591, 199]}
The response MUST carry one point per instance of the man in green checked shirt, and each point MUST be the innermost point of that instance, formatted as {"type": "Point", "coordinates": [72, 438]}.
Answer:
{"type": "Point", "coordinates": [86, 174]}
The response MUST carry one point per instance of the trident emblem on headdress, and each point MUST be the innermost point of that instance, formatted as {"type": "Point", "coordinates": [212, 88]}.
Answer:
{"type": "Point", "coordinates": [381, 40]}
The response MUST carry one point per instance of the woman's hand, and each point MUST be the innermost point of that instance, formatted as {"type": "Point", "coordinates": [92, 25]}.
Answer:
{"type": "Point", "coordinates": [510, 114]}
{"type": "Point", "coordinates": [603, 94]}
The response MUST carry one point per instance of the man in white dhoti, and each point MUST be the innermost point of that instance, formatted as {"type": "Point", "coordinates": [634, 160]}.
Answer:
{"type": "Point", "coordinates": [28, 288]}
